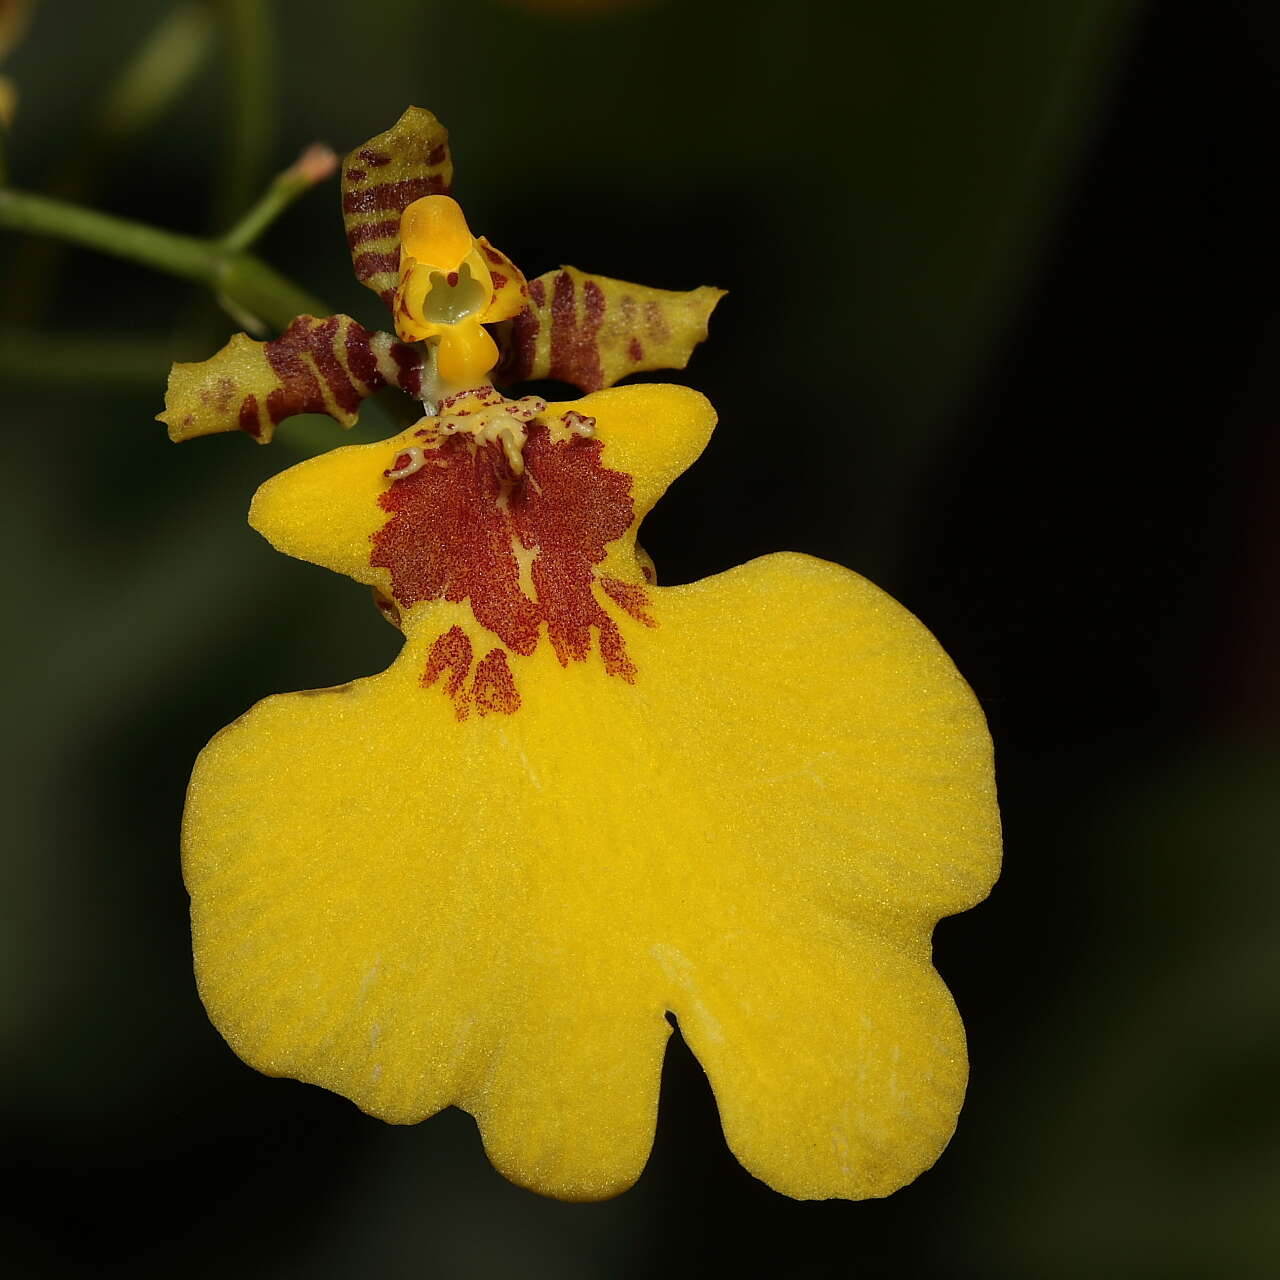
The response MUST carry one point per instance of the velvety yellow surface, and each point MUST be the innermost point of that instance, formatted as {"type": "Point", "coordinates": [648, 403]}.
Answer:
{"type": "Point", "coordinates": [758, 835]}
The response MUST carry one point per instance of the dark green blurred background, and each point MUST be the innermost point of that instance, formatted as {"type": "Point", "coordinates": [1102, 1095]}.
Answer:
{"type": "Point", "coordinates": [1030, 251]}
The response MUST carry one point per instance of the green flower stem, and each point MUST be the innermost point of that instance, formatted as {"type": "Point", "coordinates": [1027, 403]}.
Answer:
{"type": "Point", "coordinates": [139, 95]}
{"type": "Point", "coordinates": [179, 255]}
{"type": "Point", "coordinates": [247, 281]}
{"type": "Point", "coordinates": [262, 291]}
{"type": "Point", "coordinates": [315, 164]}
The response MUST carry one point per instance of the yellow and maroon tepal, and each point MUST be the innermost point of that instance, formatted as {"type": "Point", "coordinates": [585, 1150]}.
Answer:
{"type": "Point", "coordinates": [577, 801]}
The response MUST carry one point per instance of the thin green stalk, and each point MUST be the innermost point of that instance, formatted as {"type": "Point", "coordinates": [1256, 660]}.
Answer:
{"type": "Point", "coordinates": [153, 77]}
{"type": "Point", "coordinates": [315, 164]}
{"type": "Point", "coordinates": [247, 281]}
{"type": "Point", "coordinates": [263, 291]}
{"type": "Point", "coordinates": [167, 251]}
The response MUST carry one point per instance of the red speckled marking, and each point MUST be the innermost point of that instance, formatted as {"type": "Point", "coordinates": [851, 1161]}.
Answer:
{"type": "Point", "coordinates": [249, 419]}
{"type": "Point", "coordinates": [631, 597]}
{"type": "Point", "coordinates": [409, 364]}
{"type": "Point", "coordinates": [300, 391]}
{"type": "Point", "coordinates": [522, 346]}
{"type": "Point", "coordinates": [495, 686]}
{"type": "Point", "coordinates": [360, 358]}
{"type": "Point", "coordinates": [456, 524]}
{"type": "Point", "coordinates": [368, 265]}
{"type": "Point", "coordinates": [575, 356]}
{"type": "Point", "coordinates": [656, 322]}
{"type": "Point", "coordinates": [635, 350]}
{"type": "Point", "coordinates": [450, 653]}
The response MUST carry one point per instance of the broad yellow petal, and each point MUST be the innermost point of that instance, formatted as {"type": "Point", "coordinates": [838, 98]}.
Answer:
{"type": "Point", "coordinates": [756, 833]}
{"type": "Point", "coordinates": [577, 802]}
{"type": "Point", "coordinates": [844, 797]}
{"type": "Point", "coordinates": [326, 510]}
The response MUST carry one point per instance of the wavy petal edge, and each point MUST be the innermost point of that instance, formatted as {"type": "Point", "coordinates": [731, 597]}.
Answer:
{"type": "Point", "coordinates": [380, 179]}
{"type": "Point", "coordinates": [591, 331]}
{"type": "Point", "coordinates": [315, 366]}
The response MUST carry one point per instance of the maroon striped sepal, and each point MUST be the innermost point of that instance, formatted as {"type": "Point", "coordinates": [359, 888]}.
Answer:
{"type": "Point", "coordinates": [589, 331]}
{"type": "Point", "coordinates": [379, 181]}
{"type": "Point", "coordinates": [314, 366]}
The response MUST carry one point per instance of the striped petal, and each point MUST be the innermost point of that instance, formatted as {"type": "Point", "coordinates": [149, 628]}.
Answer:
{"type": "Point", "coordinates": [379, 181]}
{"type": "Point", "coordinates": [314, 366]}
{"type": "Point", "coordinates": [590, 331]}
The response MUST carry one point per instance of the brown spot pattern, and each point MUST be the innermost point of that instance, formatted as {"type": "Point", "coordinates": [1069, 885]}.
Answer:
{"type": "Point", "coordinates": [521, 551]}
{"type": "Point", "coordinates": [495, 687]}
{"type": "Point", "coordinates": [630, 597]}
{"type": "Point", "coordinates": [575, 357]}
{"type": "Point", "coordinates": [450, 655]}
{"type": "Point", "coordinates": [590, 331]}
{"type": "Point", "coordinates": [249, 418]}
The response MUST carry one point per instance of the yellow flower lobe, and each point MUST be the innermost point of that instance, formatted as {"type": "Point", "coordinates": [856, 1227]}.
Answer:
{"type": "Point", "coordinates": [484, 876]}
{"type": "Point", "coordinates": [434, 230]}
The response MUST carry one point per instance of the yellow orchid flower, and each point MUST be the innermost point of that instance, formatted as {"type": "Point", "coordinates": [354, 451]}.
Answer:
{"type": "Point", "coordinates": [578, 802]}
{"type": "Point", "coordinates": [459, 306]}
